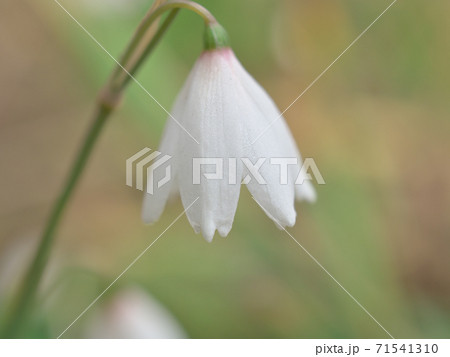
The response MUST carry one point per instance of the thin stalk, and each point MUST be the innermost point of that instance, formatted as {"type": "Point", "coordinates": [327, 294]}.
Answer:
{"type": "Point", "coordinates": [140, 47]}
{"type": "Point", "coordinates": [118, 76]}
{"type": "Point", "coordinates": [148, 50]}
{"type": "Point", "coordinates": [28, 290]}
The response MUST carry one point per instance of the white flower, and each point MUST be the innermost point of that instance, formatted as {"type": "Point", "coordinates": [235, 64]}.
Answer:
{"type": "Point", "coordinates": [133, 313]}
{"type": "Point", "coordinates": [225, 109]}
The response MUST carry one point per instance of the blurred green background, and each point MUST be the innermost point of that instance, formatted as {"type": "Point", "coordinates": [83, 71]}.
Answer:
{"type": "Point", "coordinates": [376, 124]}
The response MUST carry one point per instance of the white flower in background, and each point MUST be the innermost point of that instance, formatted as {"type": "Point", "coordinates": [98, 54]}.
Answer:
{"type": "Point", "coordinates": [225, 109]}
{"type": "Point", "coordinates": [133, 313]}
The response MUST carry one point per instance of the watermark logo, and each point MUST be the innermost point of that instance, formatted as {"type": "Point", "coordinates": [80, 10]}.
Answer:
{"type": "Point", "coordinates": [155, 166]}
{"type": "Point", "coordinates": [143, 160]}
{"type": "Point", "coordinates": [283, 165]}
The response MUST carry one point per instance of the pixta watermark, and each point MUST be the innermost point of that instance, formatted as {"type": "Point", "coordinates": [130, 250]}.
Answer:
{"type": "Point", "coordinates": [155, 169]}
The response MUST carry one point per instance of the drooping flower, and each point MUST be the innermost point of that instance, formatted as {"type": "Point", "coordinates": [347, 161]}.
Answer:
{"type": "Point", "coordinates": [231, 118]}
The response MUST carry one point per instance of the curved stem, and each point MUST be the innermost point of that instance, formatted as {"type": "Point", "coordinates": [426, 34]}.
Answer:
{"type": "Point", "coordinates": [139, 48]}
{"type": "Point", "coordinates": [119, 76]}
{"type": "Point", "coordinates": [148, 50]}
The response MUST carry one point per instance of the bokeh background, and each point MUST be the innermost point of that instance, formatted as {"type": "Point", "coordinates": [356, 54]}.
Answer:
{"type": "Point", "coordinates": [377, 125]}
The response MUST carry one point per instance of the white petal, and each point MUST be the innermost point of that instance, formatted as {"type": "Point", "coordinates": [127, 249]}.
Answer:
{"type": "Point", "coordinates": [278, 128]}
{"type": "Point", "coordinates": [305, 192]}
{"type": "Point", "coordinates": [154, 204]}
{"type": "Point", "coordinates": [276, 198]}
{"type": "Point", "coordinates": [212, 115]}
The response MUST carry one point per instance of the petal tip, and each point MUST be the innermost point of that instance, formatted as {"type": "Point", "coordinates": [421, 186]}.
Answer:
{"type": "Point", "coordinates": [290, 219]}
{"type": "Point", "coordinates": [208, 229]}
{"type": "Point", "coordinates": [306, 192]}
{"type": "Point", "coordinates": [208, 236]}
{"type": "Point", "coordinates": [224, 230]}
{"type": "Point", "coordinates": [147, 218]}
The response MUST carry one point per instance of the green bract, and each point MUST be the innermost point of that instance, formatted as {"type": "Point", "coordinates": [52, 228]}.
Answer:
{"type": "Point", "coordinates": [215, 37]}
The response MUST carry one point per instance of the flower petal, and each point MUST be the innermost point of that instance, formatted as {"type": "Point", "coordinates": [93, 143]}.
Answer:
{"type": "Point", "coordinates": [212, 115]}
{"type": "Point", "coordinates": [305, 192]}
{"type": "Point", "coordinates": [278, 127]}
{"type": "Point", "coordinates": [154, 204]}
{"type": "Point", "coordinates": [276, 198]}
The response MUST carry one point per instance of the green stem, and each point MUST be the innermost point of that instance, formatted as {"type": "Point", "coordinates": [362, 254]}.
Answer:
{"type": "Point", "coordinates": [108, 101]}
{"type": "Point", "coordinates": [157, 37]}
{"type": "Point", "coordinates": [119, 76]}
{"type": "Point", "coordinates": [28, 291]}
